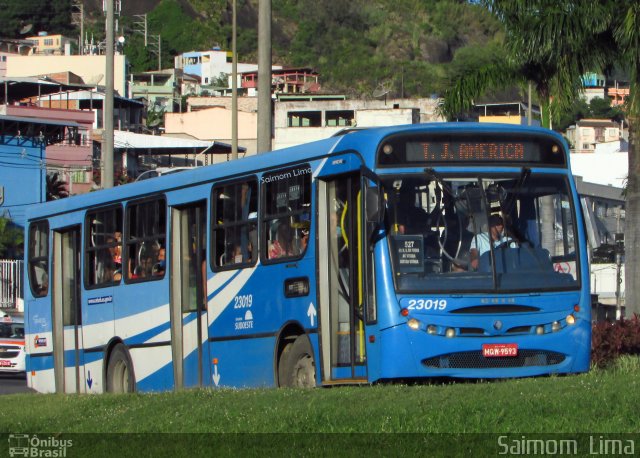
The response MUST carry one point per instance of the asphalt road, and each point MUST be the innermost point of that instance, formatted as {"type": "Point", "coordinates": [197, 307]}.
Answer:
{"type": "Point", "coordinates": [10, 384]}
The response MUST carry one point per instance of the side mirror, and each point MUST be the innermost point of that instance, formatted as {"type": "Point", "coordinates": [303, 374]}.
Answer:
{"type": "Point", "coordinates": [374, 205]}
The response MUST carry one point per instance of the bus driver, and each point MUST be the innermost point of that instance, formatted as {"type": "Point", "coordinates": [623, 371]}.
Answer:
{"type": "Point", "coordinates": [480, 243]}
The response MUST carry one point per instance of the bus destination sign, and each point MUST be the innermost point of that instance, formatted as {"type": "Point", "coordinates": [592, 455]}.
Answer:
{"type": "Point", "coordinates": [471, 149]}
{"type": "Point", "coordinates": [472, 152]}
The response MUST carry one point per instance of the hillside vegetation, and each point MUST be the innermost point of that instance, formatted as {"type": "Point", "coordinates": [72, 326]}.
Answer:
{"type": "Point", "coordinates": [408, 47]}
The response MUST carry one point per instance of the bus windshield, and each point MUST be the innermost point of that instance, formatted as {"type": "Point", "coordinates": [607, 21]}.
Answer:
{"type": "Point", "coordinates": [495, 232]}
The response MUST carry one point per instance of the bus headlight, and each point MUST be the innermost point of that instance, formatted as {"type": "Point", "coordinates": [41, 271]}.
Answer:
{"type": "Point", "coordinates": [539, 330]}
{"type": "Point", "coordinates": [571, 320]}
{"type": "Point", "coordinates": [450, 332]}
{"type": "Point", "coordinates": [413, 324]}
{"type": "Point", "coordinates": [555, 326]}
{"type": "Point", "coordinates": [432, 329]}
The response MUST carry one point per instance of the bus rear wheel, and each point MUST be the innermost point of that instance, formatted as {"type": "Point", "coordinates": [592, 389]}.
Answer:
{"type": "Point", "coordinates": [120, 377]}
{"type": "Point", "coordinates": [299, 369]}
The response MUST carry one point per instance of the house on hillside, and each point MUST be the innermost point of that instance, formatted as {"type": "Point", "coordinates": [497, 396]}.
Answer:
{"type": "Point", "coordinates": [214, 68]}
{"type": "Point", "coordinates": [162, 90]}
{"type": "Point", "coordinates": [587, 133]}
{"type": "Point", "coordinates": [50, 45]}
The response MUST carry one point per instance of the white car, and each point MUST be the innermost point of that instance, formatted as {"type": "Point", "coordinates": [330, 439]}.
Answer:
{"type": "Point", "coordinates": [12, 355]}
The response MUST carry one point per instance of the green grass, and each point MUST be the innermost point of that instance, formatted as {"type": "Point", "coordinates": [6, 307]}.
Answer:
{"type": "Point", "coordinates": [602, 401]}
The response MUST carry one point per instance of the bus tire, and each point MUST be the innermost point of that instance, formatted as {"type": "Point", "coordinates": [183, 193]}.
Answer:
{"type": "Point", "coordinates": [120, 378]}
{"type": "Point", "coordinates": [299, 368]}
{"type": "Point", "coordinates": [282, 362]}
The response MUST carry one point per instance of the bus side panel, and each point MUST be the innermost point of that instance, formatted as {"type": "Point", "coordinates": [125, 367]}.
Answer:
{"type": "Point", "coordinates": [40, 376]}
{"type": "Point", "coordinates": [247, 309]}
{"type": "Point", "coordinates": [244, 363]}
{"type": "Point", "coordinates": [146, 332]}
{"type": "Point", "coordinates": [153, 368]}
{"type": "Point", "coordinates": [39, 345]}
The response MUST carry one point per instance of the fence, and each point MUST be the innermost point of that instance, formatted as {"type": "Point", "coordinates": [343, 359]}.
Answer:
{"type": "Point", "coordinates": [11, 287]}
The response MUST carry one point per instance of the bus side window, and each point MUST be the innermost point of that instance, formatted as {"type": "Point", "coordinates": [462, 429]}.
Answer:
{"type": "Point", "coordinates": [38, 258]}
{"type": "Point", "coordinates": [103, 260]}
{"type": "Point", "coordinates": [286, 219]}
{"type": "Point", "coordinates": [235, 208]}
{"type": "Point", "coordinates": [146, 235]}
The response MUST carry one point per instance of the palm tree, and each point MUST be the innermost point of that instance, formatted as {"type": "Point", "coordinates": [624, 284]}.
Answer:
{"type": "Point", "coordinates": [627, 36]}
{"type": "Point", "coordinates": [552, 44]}
{"type": "Point", "coordinates": [56, 188]}
{"type": "Point", "coordinates": [544, 43]}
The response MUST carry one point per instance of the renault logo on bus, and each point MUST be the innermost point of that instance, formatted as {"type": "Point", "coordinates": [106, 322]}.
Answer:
{"type": "Point", "coordinates": [497, 325]}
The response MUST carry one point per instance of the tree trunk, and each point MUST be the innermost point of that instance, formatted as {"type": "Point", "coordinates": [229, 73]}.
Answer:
{"type": "Point", "coordinates": [632, 224]}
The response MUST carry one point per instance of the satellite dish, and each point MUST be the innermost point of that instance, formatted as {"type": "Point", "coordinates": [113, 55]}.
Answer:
{"type": "Point", "coordinates": [26, 29]}
{"type": "Point", "coordinates": [94, 79]}
{"type": "Point", "coordinates": [382, 90]}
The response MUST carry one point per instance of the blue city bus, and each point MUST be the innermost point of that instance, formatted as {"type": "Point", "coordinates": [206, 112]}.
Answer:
{"type": "Point", "coordinates": [406, 252]}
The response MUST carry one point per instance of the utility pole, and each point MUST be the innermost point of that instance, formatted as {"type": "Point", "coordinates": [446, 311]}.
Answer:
{"type": "Point", "coordinates": [156, 48]}
{"type": "Point", "coordinates": [107, 144]}
{"type": "Point", "coordinates": [140, 26]}
{"type": "Point", "coordinates": [264, 76]}
{"type": "Point", "coordinates": [77, 19]}
{"type": "Point", "coordinates": [234, 86]}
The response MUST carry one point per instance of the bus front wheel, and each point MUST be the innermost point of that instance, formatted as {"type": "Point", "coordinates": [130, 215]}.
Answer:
{"type": "Point", "coordinates": [120, 377]}
{"type": "Point", "coordinates": [299, 369]}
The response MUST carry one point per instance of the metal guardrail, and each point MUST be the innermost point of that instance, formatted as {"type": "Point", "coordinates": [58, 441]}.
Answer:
{"type": "Point", "coordinates": [11, 287]}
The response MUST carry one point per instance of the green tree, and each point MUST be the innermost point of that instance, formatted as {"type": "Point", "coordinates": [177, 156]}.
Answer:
{"type": "Point", "coordinates": [627, 36]}
{"type": "Point", "coordinates": [11, 239]}
{"type": "Point", "coordinates": [56, 187]}
{"type": "Point", "coordinates": [43, 15]}
{"type": "Point", "coordinates": [545, 43]}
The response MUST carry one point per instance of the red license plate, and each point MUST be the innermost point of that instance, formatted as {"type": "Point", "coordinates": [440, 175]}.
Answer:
{"type": "Point", "coordinates": [5, 363]}
{"type": "Point", "coordinates": [499, 350]}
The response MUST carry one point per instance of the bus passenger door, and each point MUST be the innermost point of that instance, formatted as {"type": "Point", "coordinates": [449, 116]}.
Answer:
{"type": "Point", "coordinates": [67, 316]}
{"type": "Point", "coordinates": [189, 330]}
{"type": "Point", "coordinates": [341, 297]}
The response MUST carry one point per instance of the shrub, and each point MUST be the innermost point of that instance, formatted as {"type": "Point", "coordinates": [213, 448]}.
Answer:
{"type": "Point", "coordinates": [610, 340]}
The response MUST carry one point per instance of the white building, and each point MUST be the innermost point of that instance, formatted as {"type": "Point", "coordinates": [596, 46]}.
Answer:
{"type": "Point", "coordinates": [305, 118]}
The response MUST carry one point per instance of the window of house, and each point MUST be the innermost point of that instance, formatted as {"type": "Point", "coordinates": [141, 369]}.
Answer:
{"type": "Point", "coordinates": [103, 247]}
{"type": "Point", "coordinates": [48, 42]}
{"type": "Point", "coordinates": [235, 216]}
{"type": "Point", "coordinates": [38, 258]}
{"type": "Point", "coordinates": [287, 213]}
{"type": "Point", "coordinates": [340, 118]}
{"type": "Point", "coordinates": [145, 242]}
{"type": "Point", "coordinates": [78, 176]}
{"type": "Point", "coordinates": [304, 119]}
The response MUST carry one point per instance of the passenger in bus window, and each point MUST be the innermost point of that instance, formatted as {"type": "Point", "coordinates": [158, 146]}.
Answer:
{"type": "Point", "coordinates": [160, 266]}
{"type": "Point", "coordinates": [114, 265]}
{"type": "Point", "coordinates": [281, 245]}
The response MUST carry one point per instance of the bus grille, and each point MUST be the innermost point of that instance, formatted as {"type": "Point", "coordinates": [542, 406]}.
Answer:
{"type": "Point", "coordinates": [475, 360]}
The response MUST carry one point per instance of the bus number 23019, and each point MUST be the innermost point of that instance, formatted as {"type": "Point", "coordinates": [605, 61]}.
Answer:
{"type": "Point", "coordinates": [243, 302]}
{"type": "Point", "coordinates": [427, 304]}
